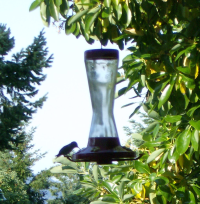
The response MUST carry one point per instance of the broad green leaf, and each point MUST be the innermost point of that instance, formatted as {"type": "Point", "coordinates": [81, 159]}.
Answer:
{"type": "Point", "coordinates": [183, 141]}
{"type": "Point", "coordinates": [172, 118]}
{"type": "Point", "coordinates": [195, 139]}
{"type": "Point", "coordinates": [65, 161]}
{"type": "Point", "coordinates": [58, 3]}
{"type": "Point", "coordinates": [197, 190]}
{"type": "Point", "coordinates": [54, 11]}
{"type": "Point", "coordinates": [153, 114]}
{"type": "Point", "coordinates": [175, 48]}
{"type": "Point", "coordinates": [161, 180]}
{"type": "Point", "coordinates": [64, 7]}
{"type": "Point", "coordinates": [127, 197]}
{"type": "Point", "coordinates": [120, 92]}
{"type": "Point", "coordinates": [77, 30]}
{"type": "Point", "coordinates": [192, 110]}
{"type": "Point", "coordinates": [137, 187]}
{"type": "Point", "coordinates": [156, 130]}
{"type": "Point", "coordinates": [116, 179]}
{"type": "Point", "coordinates": [121, 189]}
{"type": "Point", "coordinates": [152, 193]}
{"type": "Point", "coordinates": [109, 198]}
{"type": "Point", "coordinates": [107, 3]}
{"type": "Point", "coordinates": [59, 169]}
{"type": "Point", "coordinates": [118, 10]}
{"type": "Point", "coordinates": [128, 15]}
{"type": "Point", "coordinates": [165, 191]}
{"type": "Point", "coordinates": [195, 124]}
{"type": "Point", "coordinates": [189, 82]}
{"type": "Point", "coordinates": [165, 95]}
{"type": "Point", "coordinates": [91, 17]}
{"type": "Point", "coordinates": [189, 198]}
{"type": "Point", "coordinates": [142, 168]}
{"type": "Point", "coordinates": [167, 91]}
{"type": "Point", "coordinates": [95, 172]}
{"type": "Point", "coordinates": [185, 70]}
{"type": "Point", "coordinates": [155, 154]}
{"type": "Point", "coordinates": [150, 127]}
{"type": "Point", "coordinates": [152, 177]}
{"type": "Point", "coordinates": [77, 16]}
{"type": "Point", "coordinates": [137, 136]}
{"type": "Point", "coordinates": [35, 5]}
{"type": "Point", "coordinates": [108, 187]}
{"type": "Point", "coordinates": [45, 14]}
{"type": "Point", "coordinates": [173, 155]}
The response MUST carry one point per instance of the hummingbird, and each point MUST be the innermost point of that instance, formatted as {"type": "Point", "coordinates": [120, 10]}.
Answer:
{"type": "Point", "coordinates": [67, 149]}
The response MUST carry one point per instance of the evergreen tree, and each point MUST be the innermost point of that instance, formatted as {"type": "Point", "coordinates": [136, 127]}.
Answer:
{"type": "Point", "coordinates": [19, 79]}
{"type": "Point", "coordinates": [17, 180]}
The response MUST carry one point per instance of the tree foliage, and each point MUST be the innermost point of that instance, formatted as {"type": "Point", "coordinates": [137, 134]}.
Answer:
{"type": "Point", "coordinates": [17, 180]}
{"type": "Point", "coordinates": [19, 80]}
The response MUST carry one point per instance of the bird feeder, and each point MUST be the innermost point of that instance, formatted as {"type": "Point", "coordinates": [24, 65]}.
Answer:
{"type": "Point", "coordinates": [103, 144]}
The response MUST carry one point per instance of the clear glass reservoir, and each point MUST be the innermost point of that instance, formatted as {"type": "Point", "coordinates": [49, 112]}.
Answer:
{"type": "Point", "coordinates": [101, 73]}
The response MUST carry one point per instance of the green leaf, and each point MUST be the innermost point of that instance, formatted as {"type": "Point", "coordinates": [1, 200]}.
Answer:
{"type": "Point", "coordinates": [175, 48]}
{"type": "Point", "coordinates": [95, 173]}
{"type": "Point", "coordinates": [58, 3]}
{"type": "Point", "coordinates": [183, 141]}
{"type": "Point", "coordinates": [155, 154]}
{"type": "Point", "coordinates": [121, 189]}
{"type": "Point", "coordinates": [64, 7]}
{"type": "Point", "coordinates": [161, 180]}
{"type": "Point", "coordinates": [141, 167]}
{"type": "Point", "coordinates": [107, 3]}
{"type": "Point", "coordinates": [137, 136]}
{"type": "Point", "coordinates": [45, 14]}
{"type": "Point", "coordinates": [197, 190]}
{"type": "Point", "coordinates": [108, 187]}
{"type": "Point", "coordinates": [65, 161]}
{"type": "Point", "coordinates": [192, 110]}
{"type": "Point", "coordinates": [127, 197]}
{"type": "Point", "coordinates": [54, 11]}
{"type": "Point", "coordinates": [69, 28]}
{"type": "Point", "coordinates": [129, 104]}
{"type": "Point", "coordinates": [77, 16]}
{"type": "Point", "coordinates": [173, 119]}
{"type": "Point", "coordinates": [35, 5]}
{"type": "Point", "coordinates": [165, 94]}
{"type": "Point", "coordinates": [156, 130]}
{"type": "Point", "coordinates": [150, 127]}
{"type": "Point", "coordinates": [135, 111]}
{"type": "Point", "coordinates": [185, 70]}
{"type": "Point", "coordinates": [195, 124]}
{"type": "Point", "coordinates": [128, 15]}
{"type": "Point", "coordinates": [120, 92]}
{"type": "Point", "coordinates": [60, 169]}
{"type": "Point", "coordinates": [118, 11]}
{"type": "Point", "coordinates": [173, 155]}
{"type": "Point", "coordinates": [165, 191]}
{"type": "Point", "coordinates": [195, 139]}
{"type": "Point", "coordinates": [91, 17]}
{"type": "Point", "coordinates": [153, 114]}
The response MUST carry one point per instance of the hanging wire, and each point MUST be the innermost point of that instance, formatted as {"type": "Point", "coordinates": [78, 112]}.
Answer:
{"type": "Point", "coordinates": [101, 37]}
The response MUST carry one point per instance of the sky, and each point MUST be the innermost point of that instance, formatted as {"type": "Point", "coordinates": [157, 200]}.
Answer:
{"type": "Point", "coordinates": [67, 113]}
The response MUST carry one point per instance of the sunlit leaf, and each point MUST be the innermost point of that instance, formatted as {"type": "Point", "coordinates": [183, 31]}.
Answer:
{"type": "Point", "coordinates": [155, 154]}
{"type": "Point", "coordinates": [183, 141]}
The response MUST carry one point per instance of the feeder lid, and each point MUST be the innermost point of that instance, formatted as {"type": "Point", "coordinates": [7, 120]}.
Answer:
{"type": "Point", "coordinates": [101, 54]}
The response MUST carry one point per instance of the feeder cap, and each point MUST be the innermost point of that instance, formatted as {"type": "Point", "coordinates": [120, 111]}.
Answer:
{"type": "Point", "coordinates": [101, 54]}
